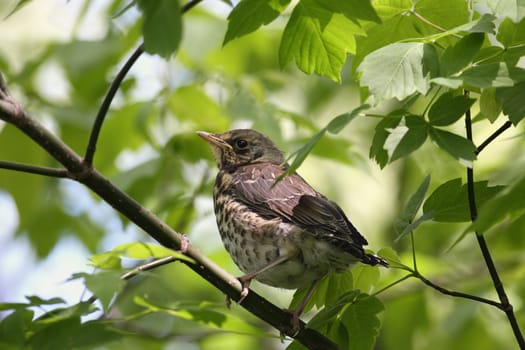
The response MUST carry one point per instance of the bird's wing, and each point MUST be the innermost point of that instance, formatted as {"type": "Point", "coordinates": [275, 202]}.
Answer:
{"type": "Point", "coordinates": [293, 200]}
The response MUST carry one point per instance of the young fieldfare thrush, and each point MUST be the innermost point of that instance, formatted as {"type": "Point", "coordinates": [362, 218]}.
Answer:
{"type": "Point", "coordinates": [284, 234]}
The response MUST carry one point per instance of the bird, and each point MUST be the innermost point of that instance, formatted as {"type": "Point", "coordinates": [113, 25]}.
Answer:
{"type": "Point", "coordinates": [276, 227]}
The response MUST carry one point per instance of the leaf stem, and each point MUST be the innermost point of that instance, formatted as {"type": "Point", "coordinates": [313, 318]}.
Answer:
{"type": "Point", "coordinates": [396, 282]}
{"type": "Point", "coordinates": [433, 25]}
{"type": "Point", "coordinates": [413, 245]}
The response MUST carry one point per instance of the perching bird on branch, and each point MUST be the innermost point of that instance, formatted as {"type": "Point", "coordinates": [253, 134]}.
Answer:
{"type": "Point", "coordinates": [284, 234]}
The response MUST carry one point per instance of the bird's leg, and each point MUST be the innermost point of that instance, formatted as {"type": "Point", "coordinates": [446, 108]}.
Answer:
{"type": "Point", "coordinates": [247, 279]}
{"type": "Point", "coordinates": [299, 309]}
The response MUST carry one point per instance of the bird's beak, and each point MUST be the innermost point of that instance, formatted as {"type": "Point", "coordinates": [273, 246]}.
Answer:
{"type": "Point", "coordinates": [218, 145]}
{"type": "Point", "coordinates": [214, 140]}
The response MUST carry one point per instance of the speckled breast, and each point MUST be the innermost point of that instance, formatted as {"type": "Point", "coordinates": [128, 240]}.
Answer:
{"type": "Point", "coordinates": [253, 242]}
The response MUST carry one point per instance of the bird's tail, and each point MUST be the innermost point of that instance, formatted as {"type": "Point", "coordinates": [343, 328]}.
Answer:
{"type": "Point", "coordinates": [372, 259]}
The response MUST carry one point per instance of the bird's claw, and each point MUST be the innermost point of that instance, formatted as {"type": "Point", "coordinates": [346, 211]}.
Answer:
{"type": "Point", "coordinates": [244, 294]}
{"type": "Point", "coordinates": [295, 326]}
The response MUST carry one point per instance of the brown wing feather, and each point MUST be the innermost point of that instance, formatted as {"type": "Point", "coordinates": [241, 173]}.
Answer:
{"type": "Point", "coordinates": [293, 200]}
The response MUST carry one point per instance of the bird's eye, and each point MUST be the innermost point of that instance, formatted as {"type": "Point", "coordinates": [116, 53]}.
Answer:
{"type": "Point", "coordinates": [241, 144]}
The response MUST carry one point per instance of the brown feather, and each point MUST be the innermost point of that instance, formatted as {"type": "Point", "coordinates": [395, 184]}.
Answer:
{"type": "Point", "coordinates": [295, 201]}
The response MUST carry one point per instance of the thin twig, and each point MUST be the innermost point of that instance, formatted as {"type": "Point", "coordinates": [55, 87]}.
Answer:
{"type": "Point", "coordinates": [137, 270]}
{"type": "Point", "coordinates": [106, 103]}
{"type": "Point", "coordinates": [415, 273]}
{"type": "Point", "coordinates": [505, 305]}
{"type": "Point", "coordinates": [149, 266]}
{"type": "Point", "coordinates": [110, 95]}
{"type": "Point", "coordinates": [396, 282]}
{"type": "Point", "coordinates": [492, 137]}
{"type": "Point", "coordinates": [34, 169]}
{"type": "Point", "coordinates": [188, 6]}
{"type": "Point", "coordinates": [453, 293]}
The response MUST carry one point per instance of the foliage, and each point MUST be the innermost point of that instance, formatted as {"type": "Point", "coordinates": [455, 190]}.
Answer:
{"type": "Point", "coordinates": [425, 87]}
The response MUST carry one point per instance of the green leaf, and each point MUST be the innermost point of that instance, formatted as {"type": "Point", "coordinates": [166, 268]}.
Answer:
{"type": "Point", "coordinates": [341, 121]}
{"type": "Point", "coordinates": [449, 202]}
{"type": "Point", "coordinates": [507, 203]}
{"type": "Point", "coordinates": [77, 335]}
{"type": "Point", "coordinates": [406, 137]}
{"type": "Point", "coordinates": [134, 250]}
{"type": "Point", "coordinates": [514, 9]}
{"type": "Point", "coordinates": [406, 218]}
{"type": "Point", "coordinates": [334, 127]}
{"type": "Point", "coordinates": [460, 55]}
{"type": "Point", "coordinates": [351, 321]}
{"type": "Point", "coordinates": [162, 28]}
{"type": "Point", "coordinates": [318, 37]}
{"type": "Point", "coordinates": [448, 109]}
{"type": "Point", "coordinates": [327, 314]}
{"type": "Point", "coordinates": [410, 227]}
{"type": "Point", "coordinates": [301, 153]}
{"type": "Point", "coordinates": [15, 327]}
{"type": "Point", "coordinates": [357, 9]}
{"type": "Point", "coordinates": [511, 101]}
{"type": "Point", "coordinates": [362, 322]}
{"type": "Point", "coordinates": [327, 292]}
{"type": "Point", "coordinates": [510, 33]}
{"type": "Point", "coordinates": [395, 71]}
{"type": "Point", "coordinates": [105, 285]}
{"type": "Point", "coordinates": [388, 8]}
{"type": "Point", "coordinates": [365, 277]}
{"type": "Point", "coordinates": [487, 75]}
{"type": "Point", "coordinates": [35, 300]}
{"type": "Point", "coordinates": [75, 311]}
{"type": "Point", "coordinates": [448, 13]}
{"type": "Point", "coordinates": [455, 145]}
{"type": "Point", "coordinates": [392, 258]}
{"type": "Point", "coordinates": [488, 106]}
{"type": "Point", "coordinates": [377, 149]}
{"type": "Point", "coordinates": [204, 313]}
{"type": "Point", "coordinates": [485, 24]}
{"type": "Point", "coordinates": [249, 15]}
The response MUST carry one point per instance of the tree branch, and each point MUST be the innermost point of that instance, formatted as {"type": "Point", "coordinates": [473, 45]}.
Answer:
{"type": "Point", "coordinates": [506, 306]}
{"type": "Point", "coordinates": [34, 169]}
{"type": "Point", "coordinates": [11, 112]}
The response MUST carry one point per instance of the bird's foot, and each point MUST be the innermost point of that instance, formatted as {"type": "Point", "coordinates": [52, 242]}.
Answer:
{"type": "Point", "coordinates": [245, 282]}
{"type": "Point", "coordinates": [295, 325]}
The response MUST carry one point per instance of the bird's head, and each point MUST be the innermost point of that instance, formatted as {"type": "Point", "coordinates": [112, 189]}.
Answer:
{"type": "Point", "coordinates": [240, 147]}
